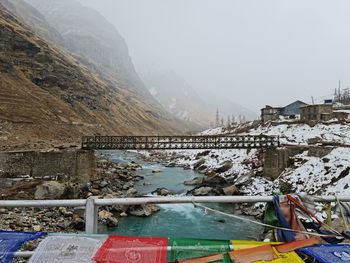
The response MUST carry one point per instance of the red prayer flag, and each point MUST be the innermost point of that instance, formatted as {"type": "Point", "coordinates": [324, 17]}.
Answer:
{"type": "Point", "coordinates": [122, 249]}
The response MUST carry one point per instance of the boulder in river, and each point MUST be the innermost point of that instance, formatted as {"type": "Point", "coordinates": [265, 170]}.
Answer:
{"type": "Point", "coordinates": [171, 164]}
{"type": "Point", "coordinates": [143, 210]}
{"type": "Point", "coordinates": [112, 222]}
{"type": "Point", "coordinates": [107, 218]}
{"type": "Point", "coordinates": [194, 181]}
{"type": "Point", "coordinates": [103, 214]}
{"type": "Point", "coordinates": [156, 171]}
{"type": "Point", "coordinates": [202, 191]}
{"type": "Point", "coordinates": [162, 191]}
{"type": "Point", "coordinates": [224, 167]}
{"type": "Point", "coordinates": [49, 190]}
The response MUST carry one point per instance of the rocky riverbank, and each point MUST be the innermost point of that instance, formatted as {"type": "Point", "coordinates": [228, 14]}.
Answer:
{"type": "Point", "coordinates": [113, 180]}
{"type": "Point", "coordinates": [223, 172]}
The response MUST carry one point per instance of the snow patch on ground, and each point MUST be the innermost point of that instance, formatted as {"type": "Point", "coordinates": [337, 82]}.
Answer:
{"type": "Point", "coordinates": [301, 133]}
{"type": "Point", "coordinates": [327, 175]}
{"type": "Point", "coordinates": [216, 157]}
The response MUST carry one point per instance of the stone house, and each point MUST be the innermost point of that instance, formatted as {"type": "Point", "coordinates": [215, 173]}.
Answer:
{"type": "Point", "coordinates": [290, 111]}
{"type": "Point", "coordinates": [316, 112]}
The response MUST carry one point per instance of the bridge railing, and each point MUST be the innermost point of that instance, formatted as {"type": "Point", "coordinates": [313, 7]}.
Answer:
{"type": "Point", "coordinates": [178, 142]}
{"type": "Point", "coordinates": [92, 204]}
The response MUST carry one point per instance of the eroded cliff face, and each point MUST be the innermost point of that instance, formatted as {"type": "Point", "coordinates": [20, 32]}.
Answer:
{"type": "Point", "coordinates": [47, 93]}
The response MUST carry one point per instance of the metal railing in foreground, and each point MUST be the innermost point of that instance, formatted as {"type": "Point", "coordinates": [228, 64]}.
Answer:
{"type": "Point", "coordinates": [92, 205]}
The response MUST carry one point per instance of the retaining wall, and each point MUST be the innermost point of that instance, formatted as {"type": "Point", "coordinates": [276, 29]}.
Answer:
{"type": "Point", "coordinates": [78, 165]}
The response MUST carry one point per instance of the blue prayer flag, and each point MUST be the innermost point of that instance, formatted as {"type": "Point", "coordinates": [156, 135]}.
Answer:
{"type": "Point", "coordinates": [339, 253]}
{"type": "Point", "coordinates": [11, 241]}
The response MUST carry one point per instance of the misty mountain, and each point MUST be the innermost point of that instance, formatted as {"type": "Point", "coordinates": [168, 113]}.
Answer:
{"type": "Point", "coordinates": [177, 96]}
{"type": "Point", "coordinates": [89, 35]}
{"type": "Point", "coordinates": [227, 106]}
{"type": "Point", "coordinates": [45, 93]}
{"type": "Point", "coordinates": [34, 19]}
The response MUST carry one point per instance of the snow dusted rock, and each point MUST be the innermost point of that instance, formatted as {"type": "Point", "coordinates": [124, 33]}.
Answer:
{"type": "Point", "coordinates": [301, 133]}
{"type": "Point", "coordinates": [171, 164]}
{"type": "Point", "coordinates": [315, 175]}
{"type": "Point", "coordinates": [201, 154]}
{"type": "Point", "coordinates": [199, 163]}
{"type": "Point", "coordinates": [203, 168]}
{"type": "Point", "coordinates": [314, 140]}
{"type": "Point", "coordinates": [224, 167]}
{"type": "Point", "coordinates": [210, 174]}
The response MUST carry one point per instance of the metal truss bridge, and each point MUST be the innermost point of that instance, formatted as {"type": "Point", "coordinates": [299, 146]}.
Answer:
{"type": "Point", "coordinates": [178, 142]}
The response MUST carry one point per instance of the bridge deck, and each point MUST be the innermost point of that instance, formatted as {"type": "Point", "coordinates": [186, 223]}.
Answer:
{"type": "Point", "coordinates": [178, 142]}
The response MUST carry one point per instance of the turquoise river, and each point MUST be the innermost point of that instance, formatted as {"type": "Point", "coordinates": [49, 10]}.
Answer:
{"type": "Point", "coordinates": [178, 220]}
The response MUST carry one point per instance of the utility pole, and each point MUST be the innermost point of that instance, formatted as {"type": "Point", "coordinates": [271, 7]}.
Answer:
{"type": "Point", "coordinates": [312, 99]}
{"type": "Point", "coordinates": [228, 121]}
{"type": "Point", "coordinates": [217, 121]}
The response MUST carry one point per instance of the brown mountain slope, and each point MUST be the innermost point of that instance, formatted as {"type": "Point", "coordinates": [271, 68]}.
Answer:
{"type": "Point", "coordinates": [45, 94]}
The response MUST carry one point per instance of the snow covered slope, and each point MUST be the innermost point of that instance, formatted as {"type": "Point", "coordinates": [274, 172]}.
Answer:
{"type": "Point", "coordinates": [302, 133]}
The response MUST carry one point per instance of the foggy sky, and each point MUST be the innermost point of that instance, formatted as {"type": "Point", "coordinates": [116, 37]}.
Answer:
{"type": "Point", "coordinates": [255, 51]}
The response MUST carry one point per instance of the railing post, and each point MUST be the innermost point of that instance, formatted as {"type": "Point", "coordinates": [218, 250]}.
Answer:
{"type": "Point", "coordinates": [91, 216]}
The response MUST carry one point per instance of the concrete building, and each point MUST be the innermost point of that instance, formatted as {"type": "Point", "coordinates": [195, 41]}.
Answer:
{"type": "Point", "coordinates": [316, 112]}
{"type": "Point", "coordinates": [290, 111]}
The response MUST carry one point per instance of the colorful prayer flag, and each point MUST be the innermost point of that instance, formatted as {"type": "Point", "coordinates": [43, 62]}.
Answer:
{"type": "Point", "coordinates": [66, 249]}
{"type": "Point", "coordinates": [122, 249]}
{"type": "Point", "coordinates": [186, 248]}
{"type": "Point", "coordinates": [339, 253]}
{"type": "Point", "coordinates": [289, 257]}
{"type": "Point", "coordinates": [11, 241]}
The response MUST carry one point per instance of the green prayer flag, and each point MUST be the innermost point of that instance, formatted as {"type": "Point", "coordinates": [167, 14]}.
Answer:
{"type": "Point", "coordinates": [186, 248]}
{"type": "Point", "coordinates": [270, 217]}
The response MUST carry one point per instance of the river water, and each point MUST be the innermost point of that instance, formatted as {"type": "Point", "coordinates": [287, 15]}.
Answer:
{"type": "Point", "coordinates": [178, 220]}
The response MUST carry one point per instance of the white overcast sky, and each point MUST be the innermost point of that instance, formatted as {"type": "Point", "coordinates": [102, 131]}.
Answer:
{"type": "Point", "coordinates": [255, 51]}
